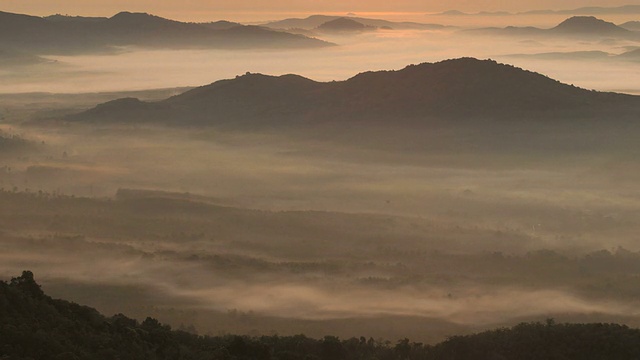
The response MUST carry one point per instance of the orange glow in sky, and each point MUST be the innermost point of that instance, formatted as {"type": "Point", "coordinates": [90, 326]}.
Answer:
{"type": "Point", "coordinates": [256, 10]}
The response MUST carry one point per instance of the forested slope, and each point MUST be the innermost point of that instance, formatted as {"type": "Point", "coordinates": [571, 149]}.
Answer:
{"type": "Point", "coordinates": [35, 326]}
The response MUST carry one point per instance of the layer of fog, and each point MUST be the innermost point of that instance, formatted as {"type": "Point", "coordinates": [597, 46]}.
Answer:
{"type": "Point", "coordinates": [204, 278]}
{"type": "Point", "coordinates": [136, 69]}
{"type": "Point", "coordinates": [461, 196]}
{"type": "Point", "coordinates": [513, 192]}
{"type": "Point", "coordinates": [413, 175]}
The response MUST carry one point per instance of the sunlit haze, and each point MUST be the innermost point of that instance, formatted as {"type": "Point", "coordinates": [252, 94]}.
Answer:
{"type": "Point", "coordinates": [360, 172]}
{"type": "Point", "coordinates": [255, 10]}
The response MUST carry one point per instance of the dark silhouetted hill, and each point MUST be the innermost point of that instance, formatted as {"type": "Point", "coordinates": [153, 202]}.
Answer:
{"type": "Point", "coordinates": [463, 88]}
{"type": "Point", "coordinates": [344, 25]}
{"type": "Point", "coordinates": [315, 21]}
{"type": "Point", "coordinates": [67, 18]}
{"type": "Point", "coordinates": [576, 26]}
{"type": "Point", "coordinates": [221, 25]}
{"type": "Point", "coordinates": [35, 326]}
{"type": "Point", "coordinates": [64, 34]}
{"type": "Point", "coordinates": [588, 25]}
{"type": "Point", "coordinates": [544, 341]}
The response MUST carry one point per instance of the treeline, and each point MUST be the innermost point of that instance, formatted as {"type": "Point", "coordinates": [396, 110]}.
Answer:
{"type": "Point", "coordinates": [35, 326]}
{"type": "Point", "coordinates": [10, 142]}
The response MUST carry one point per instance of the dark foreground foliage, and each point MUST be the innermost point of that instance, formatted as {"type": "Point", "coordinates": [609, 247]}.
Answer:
{"type": "Point", "coordinates": [35, 326]}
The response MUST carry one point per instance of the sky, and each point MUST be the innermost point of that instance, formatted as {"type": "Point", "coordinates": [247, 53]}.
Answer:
{"type": "Point", "coordinates": [243, 10]}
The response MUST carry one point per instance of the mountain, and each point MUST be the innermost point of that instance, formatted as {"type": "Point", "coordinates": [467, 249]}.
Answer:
{"type": "Point", "coordinates": [576, 26]}
{"type": "Point", "coordinates": [590, 10]}
{"type": "Point", "coordinates": [589, 25]}
{"type": "Point", "coordinates": [221, 25]}
{"type": "Point", "coordinates": [631, 25]}
{"type": "Point", "coordinates": [35, 326]}
{"type": "Point", "coordinates": [570, 55]}
{"type": "Point", "coordinates": [460, 88]}
{"type": "Point", "coordinates": [67, 18]}
{"type": "Point", "coordinates": [631, 55]}
{"type": "Point", "coordinates": [344, 25]}
{"type": "Point", "coordinates": [315, 21]}
{"type": "Point", "coordinates": [64, 34]}
{"type": "Point", "coordinates": [543, 341]}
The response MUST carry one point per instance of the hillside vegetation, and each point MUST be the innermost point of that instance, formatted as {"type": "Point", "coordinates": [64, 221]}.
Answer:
{"type": "Point", "coordinates": [35, 326]}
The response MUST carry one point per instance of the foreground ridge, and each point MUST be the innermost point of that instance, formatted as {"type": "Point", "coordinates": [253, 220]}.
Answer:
{"type": "Point", "coordinates": [464, 88]}
{"type": "Point", "coordinates": [35, 326]}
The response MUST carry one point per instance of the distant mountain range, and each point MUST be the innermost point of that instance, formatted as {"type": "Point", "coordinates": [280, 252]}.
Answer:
{"type": "Point", "coordinates": [631, 25]}
{"type": "Point", "coordinates": [315, 21]}
{"type": "Point", "coordinates": [576, 26]}
{"type": "Point", "coordinates": [569, 55]}
{"type": "Point", "coordinates": [65, 34]}
{"type": "Point", "coordinates": [591, 10]}
{"type": "Point", "coordinates": [463, 88]}
{"type": "Point", "coordinates": [632, 55]}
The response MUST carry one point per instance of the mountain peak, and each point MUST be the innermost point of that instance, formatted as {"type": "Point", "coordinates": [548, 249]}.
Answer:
{"type": "Point", "coordinates": [631, 25]}
{"type": "Point", "coordinates": [126, 17]}
{"type": "Point", "coordinates": [132, 15]}
{"type": "Point", "coordinates": [588, 24]}
{"type": "Point", "coordinates": [461, 88]}
{"type": "Point", "coordinates": [343, 24]}
{"type": "Point", "coordinates": [68, 18]}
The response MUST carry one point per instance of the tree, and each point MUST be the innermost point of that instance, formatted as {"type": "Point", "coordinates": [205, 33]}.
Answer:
{"type": "Point", "coordinates": [27, 284]}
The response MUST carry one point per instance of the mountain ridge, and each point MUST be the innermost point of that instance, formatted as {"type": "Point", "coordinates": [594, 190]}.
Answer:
{"type": "Point", "coordinates": [34, 325]}
{"type": "Point", "coordinates": [342, 25]}
{"type": "Point", "coordinates": [588, 10]}
{"type": "Point", "coordinates": [575, 27]}
{"type": "Point", "coordinates": [456, 88]}
{"type": "Point", "coordinates": [589, 24]}
{"type": "Point", "coordinates": [631, 25]}
{"type": "Point", "coordinates": [58, 34]}
{"type": "Point", "coordinates": [313, 21]}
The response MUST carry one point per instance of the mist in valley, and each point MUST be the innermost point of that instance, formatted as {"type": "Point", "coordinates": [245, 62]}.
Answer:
{"type": "Point", "coordinates": [135, 68]}
{"type": "Point", "coordinates": [362, 229]}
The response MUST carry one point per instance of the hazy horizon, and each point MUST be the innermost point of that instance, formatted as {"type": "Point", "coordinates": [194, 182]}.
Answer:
{"type": "Point", "coordinates": [252, 11]}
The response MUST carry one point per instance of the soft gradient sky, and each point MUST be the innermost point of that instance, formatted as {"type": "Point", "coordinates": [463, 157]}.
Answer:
{"type": "Point", "coordinates": [245, 10]}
